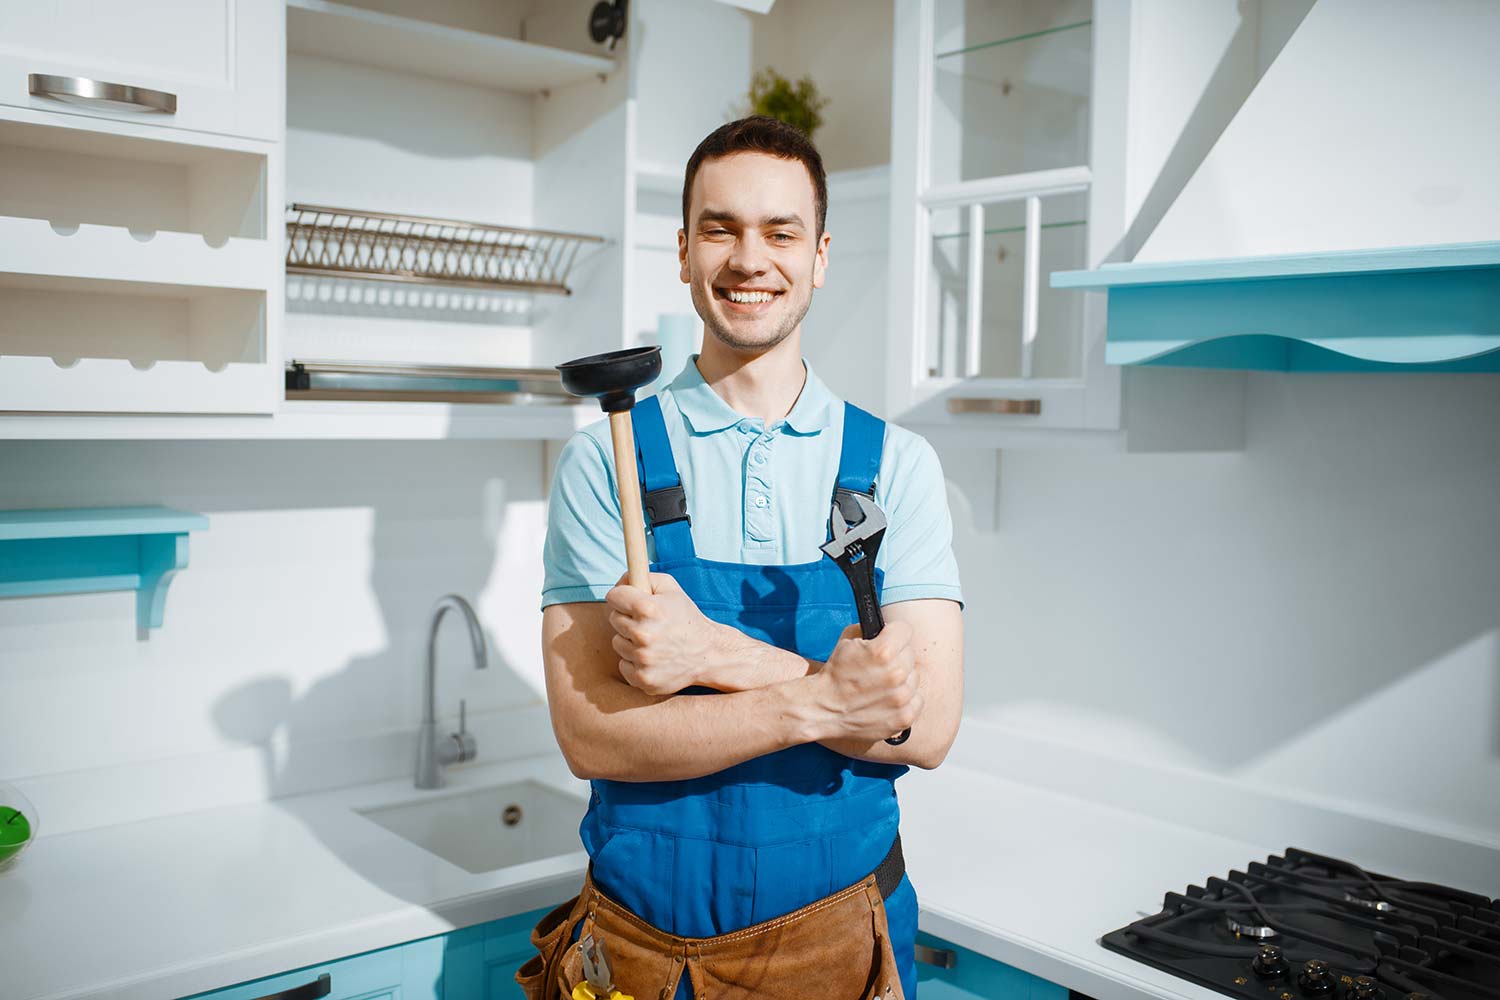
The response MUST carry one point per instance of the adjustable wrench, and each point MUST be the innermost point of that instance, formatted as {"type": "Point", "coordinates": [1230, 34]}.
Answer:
{"type": "Point", "coordinates": [858, 526]}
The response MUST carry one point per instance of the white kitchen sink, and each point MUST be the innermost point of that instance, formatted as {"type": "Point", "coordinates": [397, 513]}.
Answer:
{"type": "Point", "coordinates": [488, 828]}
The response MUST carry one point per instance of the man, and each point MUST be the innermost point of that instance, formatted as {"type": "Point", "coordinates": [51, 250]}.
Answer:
{"type": "Point", "coordinates": [742, 827]}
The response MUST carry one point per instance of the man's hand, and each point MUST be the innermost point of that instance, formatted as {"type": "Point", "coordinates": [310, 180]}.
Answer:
{"type": "Point", "coordinates": [664, 642]}
{"type": "Point", "coordinates": [868, 689]}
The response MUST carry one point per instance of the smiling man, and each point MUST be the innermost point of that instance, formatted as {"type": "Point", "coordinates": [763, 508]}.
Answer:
{"type": "Point", "coordinates": [743, 824]}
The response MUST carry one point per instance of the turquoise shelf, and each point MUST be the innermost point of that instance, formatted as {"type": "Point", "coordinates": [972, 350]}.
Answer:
{"type": "Point", "coordinates": [1432, 308]}
{"type": "Point", "coordinates": [87, 550]}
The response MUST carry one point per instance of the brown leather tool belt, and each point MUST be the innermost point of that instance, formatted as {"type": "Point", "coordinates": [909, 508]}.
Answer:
{"type": "Point", "coordinates": [835, 948]}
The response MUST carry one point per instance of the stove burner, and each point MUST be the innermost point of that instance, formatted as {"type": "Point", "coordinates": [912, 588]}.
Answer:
{"type": "Point", "coordinates": [1309, 927]}
{"type": "Point", "coordinates": [1240, 925]}
{"type": "Point", "coordinates": [1378, 905]}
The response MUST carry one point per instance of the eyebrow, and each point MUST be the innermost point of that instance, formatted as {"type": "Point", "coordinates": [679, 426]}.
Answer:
{"type": "Point", "coordinates": [722, 215]}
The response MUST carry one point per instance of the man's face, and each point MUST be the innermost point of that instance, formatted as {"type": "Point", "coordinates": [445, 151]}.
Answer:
{"type": "Point", "coordinates": [751, 236]}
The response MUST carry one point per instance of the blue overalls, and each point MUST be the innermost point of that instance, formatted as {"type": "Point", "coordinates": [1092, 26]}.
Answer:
{"type": "Point", "coordinates": [712, 855]}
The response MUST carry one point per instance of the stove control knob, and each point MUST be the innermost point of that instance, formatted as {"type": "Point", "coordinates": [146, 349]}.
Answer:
{"type": "Point", "coordinates": [1316, 979]}
{"type": "Point", "coordinates": [1270, 963]}
{"type": "Point", "coordinates": [1363, 988]}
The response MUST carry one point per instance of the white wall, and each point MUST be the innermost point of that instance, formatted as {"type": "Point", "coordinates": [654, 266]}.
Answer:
{"type": "Point", "coordinates": [1374, 127]}
{"type": "Point", "coordinates": [1320, 612]}
{"type": "Point", "coordinates": [846, 50]}
{"type": "Point", "coordinates": [300, 620]}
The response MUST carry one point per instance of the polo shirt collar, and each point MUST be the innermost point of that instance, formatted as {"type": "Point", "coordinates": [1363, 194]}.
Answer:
{"type": "Point", "coordinates": [706, 412]}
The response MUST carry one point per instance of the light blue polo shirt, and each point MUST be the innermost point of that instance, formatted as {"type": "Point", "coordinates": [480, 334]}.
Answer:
{"type": "Point", "coordinates": [756, 494]}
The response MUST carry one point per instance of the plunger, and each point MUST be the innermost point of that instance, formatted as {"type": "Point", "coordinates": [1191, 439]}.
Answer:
{"type": "Point", "coordinates": [613, 379]}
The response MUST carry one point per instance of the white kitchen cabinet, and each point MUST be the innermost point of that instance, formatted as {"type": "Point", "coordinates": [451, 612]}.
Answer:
{"type": "Point", "coordinates": [203, 65]}
{"type": "Point", "coordinates": [139, 239]}
{"type": "Point", "coordinates": [1008, 148]}
{"type": "Point", "coordinates": [139, 269]}
{"type": "Point", "coordinates": [499, 117]}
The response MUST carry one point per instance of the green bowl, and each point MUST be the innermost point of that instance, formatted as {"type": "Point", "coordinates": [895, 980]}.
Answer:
{"type": "Point", "coordinates": [16, 825]}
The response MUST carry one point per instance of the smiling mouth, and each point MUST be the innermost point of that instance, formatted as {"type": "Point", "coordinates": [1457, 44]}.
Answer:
{"type": "Point", "coordinates": [746, 301]}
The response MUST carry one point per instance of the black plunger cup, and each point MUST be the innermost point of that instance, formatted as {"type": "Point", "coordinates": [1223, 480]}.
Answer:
{"type": "Point", "coordinates": [612, 379]}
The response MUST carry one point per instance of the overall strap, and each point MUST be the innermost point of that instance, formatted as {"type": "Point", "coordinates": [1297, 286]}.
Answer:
{"type": "Point", "coordinates": [662, 496]}
{"type": "Point", "coordinates": [859, 462]}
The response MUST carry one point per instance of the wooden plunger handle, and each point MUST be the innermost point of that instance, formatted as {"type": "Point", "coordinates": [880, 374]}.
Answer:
{"type": "Point", "coordinates": [623, 436]}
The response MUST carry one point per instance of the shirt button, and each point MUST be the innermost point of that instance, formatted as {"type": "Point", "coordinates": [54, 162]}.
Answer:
{"type": "Point", "coordinates": [760, 460]}
{"type": "Point", "coordinates": [761, 501]}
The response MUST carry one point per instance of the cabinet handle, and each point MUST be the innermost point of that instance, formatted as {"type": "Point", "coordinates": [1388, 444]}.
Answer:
{"type": "Point", "coordinates": [943, 958]}
{"type": "Point", "coordinates": [320, 987]}
{"type": "Point", "coordinates": [45, 85]}
{"type": "Point", "coordinates": [971, 405]}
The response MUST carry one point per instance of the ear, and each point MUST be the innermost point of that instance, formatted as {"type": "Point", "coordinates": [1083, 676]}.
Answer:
{"type": "Point", "coordinates": [820, 260]}
{"type": "Point", "coordinates": [682, 257]}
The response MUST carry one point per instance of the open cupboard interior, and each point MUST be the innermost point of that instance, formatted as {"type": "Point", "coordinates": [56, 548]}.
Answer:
{"type": "Point", "coordinates": [136, 274]}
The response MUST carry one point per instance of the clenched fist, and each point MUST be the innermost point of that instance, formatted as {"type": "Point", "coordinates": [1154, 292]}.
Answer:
{"type": "Point", "coordinates": [868, 687]}
{"type": "Point", "coordinates": [664, 642]}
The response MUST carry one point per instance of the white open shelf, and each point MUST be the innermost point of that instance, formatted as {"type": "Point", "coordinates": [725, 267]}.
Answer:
{"type": "Point", "coordinates": [352, 34]}
{"type": "Point", "coordinates": [659, 178]}
{"type": "Point", "coordinates": [323, 421]}
{"type": "Point", "coordinates": [38, 247]}
{"type": "Point", "coordinates": [35, 384]}
{"type": "Point", "coordinates": [137, 275]}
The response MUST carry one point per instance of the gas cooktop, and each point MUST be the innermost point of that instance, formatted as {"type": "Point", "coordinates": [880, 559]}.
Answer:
{"type": "Point", "coordinates": [1309, 927]}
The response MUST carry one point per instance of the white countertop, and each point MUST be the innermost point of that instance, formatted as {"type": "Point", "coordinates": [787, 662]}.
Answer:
{"type": "Point", "coordinates": [176, 905]}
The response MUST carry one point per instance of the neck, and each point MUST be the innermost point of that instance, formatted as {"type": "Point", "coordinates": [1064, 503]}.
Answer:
{"type": "Point", "coordinates": [764, 385]}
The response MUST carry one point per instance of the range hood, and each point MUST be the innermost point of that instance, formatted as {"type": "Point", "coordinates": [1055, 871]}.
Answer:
{"type": "Point", "coordinates": [1347, 219]}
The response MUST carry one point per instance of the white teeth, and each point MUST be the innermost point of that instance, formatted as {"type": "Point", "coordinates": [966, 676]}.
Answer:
{"type": "Point", "coordinates": [746, 298]}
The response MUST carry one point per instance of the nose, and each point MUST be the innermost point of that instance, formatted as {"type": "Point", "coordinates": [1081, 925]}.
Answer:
{"type": "Point", "coordinates": [749, 256]}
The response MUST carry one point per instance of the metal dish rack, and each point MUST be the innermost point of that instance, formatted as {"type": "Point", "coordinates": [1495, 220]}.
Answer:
{"type": "Point", "coordinates": [340, 242]}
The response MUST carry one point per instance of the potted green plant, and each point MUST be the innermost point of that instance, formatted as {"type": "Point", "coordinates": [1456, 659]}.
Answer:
{"type": "Point", "coordinates": [798, 104]}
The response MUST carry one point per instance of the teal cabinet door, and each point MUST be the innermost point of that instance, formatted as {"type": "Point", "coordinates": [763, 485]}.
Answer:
{"type": "Point", "coordinates": [974, 975]}
{"type": "Point", "coordinates": [480, 963]}
{"type": "Point", "coordinates": [474, 963]}
{"type": "Point", "coordinates": [376, 975]}
{"type": "Point", "coordinates": [507, 946]}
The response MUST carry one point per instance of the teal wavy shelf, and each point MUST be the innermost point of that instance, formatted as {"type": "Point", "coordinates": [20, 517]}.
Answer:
{"type": "Point", "coordinates": [87, 550]}
{"type": "Point", "coordinates": [1433, 308]}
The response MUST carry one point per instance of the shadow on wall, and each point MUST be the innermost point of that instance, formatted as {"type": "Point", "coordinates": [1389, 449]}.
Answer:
{"type": "Point", "coordinates": [424, 533]}
{"type": "Point", "coordinates": [1215, 611]}
{"type": "Point", "coordinates": [298, 630]}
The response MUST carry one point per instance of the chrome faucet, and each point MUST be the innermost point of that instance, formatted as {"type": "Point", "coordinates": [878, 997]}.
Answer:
{"type": "Point", "coordinates": [459, 746]}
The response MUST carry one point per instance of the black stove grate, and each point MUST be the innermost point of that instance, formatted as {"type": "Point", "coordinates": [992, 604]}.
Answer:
{"type": "Point", "coordinates": [1304, 926]}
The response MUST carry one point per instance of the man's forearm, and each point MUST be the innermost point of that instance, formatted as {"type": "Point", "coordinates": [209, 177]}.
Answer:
{"type": "Point", "coordinates": [747, 663]}
{"type": "Point", "coordinates": [635, 737]}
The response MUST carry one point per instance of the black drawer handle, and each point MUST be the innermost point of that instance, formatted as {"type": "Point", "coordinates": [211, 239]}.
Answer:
{"type": "Point", "coordinates": [320, 987]}
{"type": "Point", "coordinates": [943, 958]}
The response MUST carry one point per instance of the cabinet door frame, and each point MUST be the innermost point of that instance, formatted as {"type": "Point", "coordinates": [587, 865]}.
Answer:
{"type": "Point", "coordinates": [1090, 401]}
{"type": "Point", "coordinates": [245, 101]}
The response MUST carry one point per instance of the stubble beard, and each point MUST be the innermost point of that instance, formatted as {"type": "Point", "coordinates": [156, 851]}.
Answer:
{"type": "Point", "coordinates": [791, 319]}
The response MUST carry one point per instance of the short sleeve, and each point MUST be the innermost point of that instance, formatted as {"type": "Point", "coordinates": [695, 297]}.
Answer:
{"type": "Point", "coordinates": [583, 555]}
{"type": "Point", "coordinates": [916, 554]}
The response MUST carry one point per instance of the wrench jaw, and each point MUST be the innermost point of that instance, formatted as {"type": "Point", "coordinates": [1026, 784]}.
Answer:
{"type": "Point", "coordinates": [853, 549]}
{"type": "Point", "coordinates": [852, 543]}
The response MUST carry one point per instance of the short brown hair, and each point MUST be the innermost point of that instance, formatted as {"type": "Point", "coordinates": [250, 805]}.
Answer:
{"type": "Point", "coordinates": [761, 134]}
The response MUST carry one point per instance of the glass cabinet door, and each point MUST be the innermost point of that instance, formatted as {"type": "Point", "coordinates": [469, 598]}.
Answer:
{"type": "Point", "coordinates": [1007, 345]}
{"type": "Point", "coordinates": [1010, 87]}
{"type": "Point", "coordinates": [1008, 146]}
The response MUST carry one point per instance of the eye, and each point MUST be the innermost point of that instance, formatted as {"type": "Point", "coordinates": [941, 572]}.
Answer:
{"type": "Point", "coordinates": [782, 236]}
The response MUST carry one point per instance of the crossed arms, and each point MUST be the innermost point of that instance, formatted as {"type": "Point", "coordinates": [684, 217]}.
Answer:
{"type": "Point", "coordinates": [613, 671]}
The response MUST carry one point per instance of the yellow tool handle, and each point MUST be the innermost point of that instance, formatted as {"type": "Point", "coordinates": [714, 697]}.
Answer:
{"type": "Point", "coordinates": [583, 991]}
{"type": "Point", "coordinates": [623, 436]}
